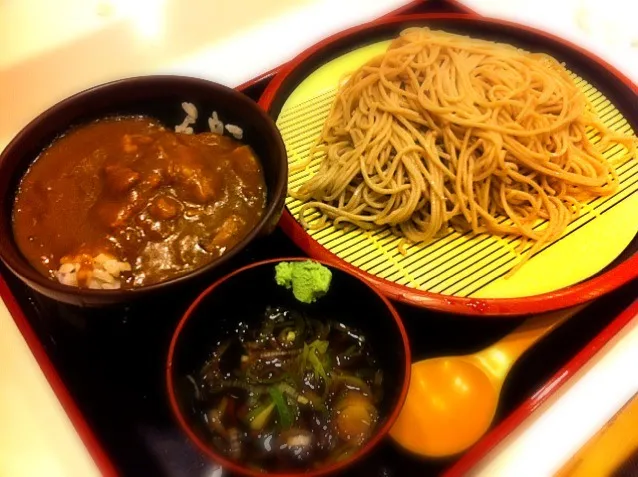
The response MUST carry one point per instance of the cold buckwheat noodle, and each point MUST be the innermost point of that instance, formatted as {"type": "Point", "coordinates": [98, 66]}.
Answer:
{"type": "Point", "coordinates": [447, 131]}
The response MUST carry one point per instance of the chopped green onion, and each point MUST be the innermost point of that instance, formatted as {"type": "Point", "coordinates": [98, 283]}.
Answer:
{"type": "Point", "coordinates": [258, 417]}
{"type": "Point", "coordinates": [319, 370]}
{"type": "Point", "coordinates": [293, 406]}
{"type": "Point", "coordinates": [302, 399]}
{"type": "Point", "coordinates": [285, 416]}
{"type": "Point", "coordinates": [288, 389]}
{"type": "Point", "coordinates": [320, 345]}
{"type": "Point", "coordinates": [315, 401]}
{"type": "Point", "coordinates": [303, 359]}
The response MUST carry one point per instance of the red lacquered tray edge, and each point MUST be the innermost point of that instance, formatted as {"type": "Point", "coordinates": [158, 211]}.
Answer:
{"type": "Point", "coordinates": [525, 410]}
{"type": "Point", "coordinates": [107, 467]}
{"type": "Point", "coordinates": [83, 429]}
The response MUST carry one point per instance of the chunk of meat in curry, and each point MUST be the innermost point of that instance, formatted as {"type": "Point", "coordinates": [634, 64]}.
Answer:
{"type": "Point", "coordinates": [164, 202]}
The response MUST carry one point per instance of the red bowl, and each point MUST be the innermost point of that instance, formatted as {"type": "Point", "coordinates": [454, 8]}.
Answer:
{"type": "Point", "coordinates": [243, 295]}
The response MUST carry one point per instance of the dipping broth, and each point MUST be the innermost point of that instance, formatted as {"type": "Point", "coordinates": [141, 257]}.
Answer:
{"type": "Point", "coordinates": [125, 202]}
{"type": "Point", "coordinates": [290, 393]}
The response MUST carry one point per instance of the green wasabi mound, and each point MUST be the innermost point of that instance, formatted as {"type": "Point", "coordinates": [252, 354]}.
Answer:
{"type": "Point", "coordinates": [309, 280]}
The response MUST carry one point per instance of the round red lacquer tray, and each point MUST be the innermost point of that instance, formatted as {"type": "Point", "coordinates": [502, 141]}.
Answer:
{"type": "Point", "coordinates": [618, 89]}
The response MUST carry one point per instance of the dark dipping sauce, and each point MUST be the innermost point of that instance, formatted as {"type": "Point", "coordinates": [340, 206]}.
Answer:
{"type": "Point", "coordinates": [164, 202]}
{"type": "Point", "coordinates": [293, 393]}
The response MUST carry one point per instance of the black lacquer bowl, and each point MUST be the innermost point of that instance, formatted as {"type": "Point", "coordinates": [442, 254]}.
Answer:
{"type": "Point", "coordinates": [160, 97]}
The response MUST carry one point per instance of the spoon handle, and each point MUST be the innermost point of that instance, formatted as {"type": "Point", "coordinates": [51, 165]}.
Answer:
{"type": "Point", "coordinates": [502, 355]}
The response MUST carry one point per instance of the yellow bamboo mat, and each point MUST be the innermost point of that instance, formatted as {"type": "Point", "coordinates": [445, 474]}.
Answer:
{"type": "Point", "coordinates": [462, 264]}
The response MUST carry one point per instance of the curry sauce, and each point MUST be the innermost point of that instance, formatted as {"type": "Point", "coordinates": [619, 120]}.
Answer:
{"type": "Point", "coordinates": [164, 202]}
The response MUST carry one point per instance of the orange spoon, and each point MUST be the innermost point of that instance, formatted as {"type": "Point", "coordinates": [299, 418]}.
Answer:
{"type": "Point", "coordinates": [452, 400]}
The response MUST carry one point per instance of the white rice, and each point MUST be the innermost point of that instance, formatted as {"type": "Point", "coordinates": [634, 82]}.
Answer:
{"type": "Point", "coordinates": [214, 123]}
{"type": "Point", "coordinates": [190, 109]}
{"type": "Point", "coordinates": [105, 274]}
{"type": "Point", "coordinates": [236, 131]}
{"type": "Point", "coordinates": [191, 118]}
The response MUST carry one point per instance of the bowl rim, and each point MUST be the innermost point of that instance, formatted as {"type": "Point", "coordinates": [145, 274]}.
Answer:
{"type": "Point", "coordinates": [379, 434]}
{"type": "Point", "coordinates": [503, 308]}
{"type": "Point", "coordinates": [13, 258]}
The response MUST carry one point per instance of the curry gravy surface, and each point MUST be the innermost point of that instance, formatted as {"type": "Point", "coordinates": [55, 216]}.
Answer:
{"type": "Point", "coordinates": [166, 203]}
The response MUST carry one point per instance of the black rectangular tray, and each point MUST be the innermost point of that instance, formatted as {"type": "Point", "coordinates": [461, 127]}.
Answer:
{"type": "Point", "coordinates": [107, 365]}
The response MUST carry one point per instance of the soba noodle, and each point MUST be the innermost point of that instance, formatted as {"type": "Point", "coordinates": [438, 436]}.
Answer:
{"type": "Point", "coordinates": [447, 131]}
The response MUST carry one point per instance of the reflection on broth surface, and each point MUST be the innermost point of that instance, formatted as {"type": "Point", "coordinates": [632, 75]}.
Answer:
{"type": "Point", "coordinates": [293, 392]}
{"type": "Point", "coordinates": [126, 202]}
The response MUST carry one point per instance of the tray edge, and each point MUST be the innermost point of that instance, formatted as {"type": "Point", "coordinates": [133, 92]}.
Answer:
{"type": "Point", "coordinates": [564, 375]}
